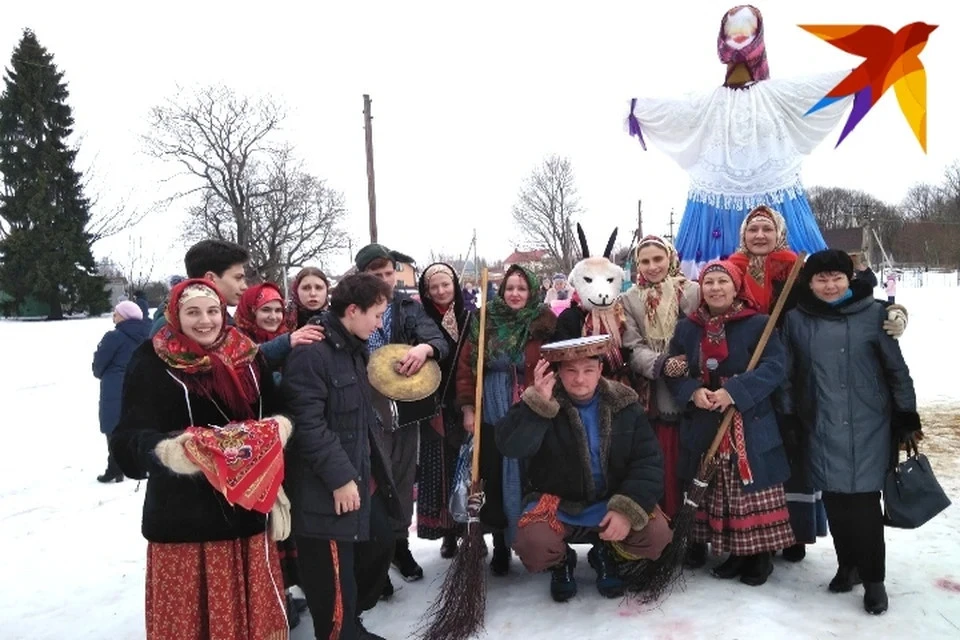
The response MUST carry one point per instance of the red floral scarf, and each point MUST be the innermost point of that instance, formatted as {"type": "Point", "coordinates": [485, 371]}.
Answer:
{"type": "Point", "coordinates": [246, 315]}
{"type": "Point", "coordinates": [224, 371]}
{"type": "Point", "coordinates": [242, 460]}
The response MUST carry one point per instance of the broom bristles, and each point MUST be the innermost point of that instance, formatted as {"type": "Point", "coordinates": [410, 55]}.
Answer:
{"type": "Point", "coordinates": [650, 581]}
{"type": "Point", "coordinates": [457, 613]}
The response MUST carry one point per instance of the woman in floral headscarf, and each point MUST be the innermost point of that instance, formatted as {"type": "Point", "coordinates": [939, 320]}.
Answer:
{"type": "Point", "coordinates": [653, 308]}
{"type": "Point", "coordinates": [744, 511]}
{"type": "Point", "coordinates": [517, 326]}
{"type": "Point", "coordinates": [260, 315]}
{"type": "Point", "coordinates": [212, 571]}
{"type": "Point", "coordinates": [442, 435]}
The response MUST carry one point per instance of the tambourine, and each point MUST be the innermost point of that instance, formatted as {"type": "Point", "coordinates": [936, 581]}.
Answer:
{"type": "Point", "coordinates": [575, 348]}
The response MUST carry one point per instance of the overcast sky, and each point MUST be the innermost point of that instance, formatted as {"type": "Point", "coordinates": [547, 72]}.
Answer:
{"type": "Point", "coordinates": [466, 101]}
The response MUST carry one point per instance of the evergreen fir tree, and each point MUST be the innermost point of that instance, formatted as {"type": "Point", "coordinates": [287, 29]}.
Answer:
{"type": "Point", "coordinates": [46, 250]}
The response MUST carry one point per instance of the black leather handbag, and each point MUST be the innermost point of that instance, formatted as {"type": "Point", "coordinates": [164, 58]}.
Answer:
{"type": "Point", "coordinates": [911, 493]}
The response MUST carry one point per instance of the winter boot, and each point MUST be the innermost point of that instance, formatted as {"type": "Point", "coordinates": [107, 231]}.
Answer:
{"type": "Point", "coordinates": [756, 569]}
{"type": "Point", "coordinates": [500, 564]}
{"type": "Point", "coordinates": [363, 634]}
{"type": "Point", "coordinates": [730, 568]}
{"type": "Point", "coordinates": [404, 562]}
{"type": "Point", "coordinates": [388, 590]}
{"type": "Point", "coordinates": [796, 553]}
{"type": "Point", "coordinates": [844, 580]}
{"type": "Point", "coordinates": [609, 583]}
{"type": "Point", "coordinates": [874, 598]}
{"type": "Point", "coordinates": [563, 586]}
{"type": "Point", "coordinates": [293, 614]}
{"type": "Point", "coordinates": [448, 548]}
{"type": "Point", "coordinates": [696, 555]}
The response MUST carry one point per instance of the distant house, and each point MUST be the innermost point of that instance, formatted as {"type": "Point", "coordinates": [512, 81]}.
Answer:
{"type": "Point", "coordinates": [32, 307]}
{"type": "Point", "coordinates": [531, 259]}
{"type": "Point", "coordinates": [856, 241]}
{"type": "Point", "coordinates": [117, 289]}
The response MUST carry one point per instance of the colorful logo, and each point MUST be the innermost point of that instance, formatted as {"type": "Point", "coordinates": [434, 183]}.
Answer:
{"type": "Point", "coordinates": [892, 59]}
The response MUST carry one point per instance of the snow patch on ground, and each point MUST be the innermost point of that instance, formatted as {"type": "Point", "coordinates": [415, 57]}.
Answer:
{"type": "Point", "coordinates": [72, 556]}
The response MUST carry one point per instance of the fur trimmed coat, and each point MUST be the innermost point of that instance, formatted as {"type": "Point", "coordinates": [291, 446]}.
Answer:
{"type": "Point", "coordinates": [551, 437]}
{"type": "Point", "coordinates": [178, 507]}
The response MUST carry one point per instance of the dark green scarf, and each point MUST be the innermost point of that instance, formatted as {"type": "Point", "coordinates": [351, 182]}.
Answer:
{"type": "Point", "coordinates": [508, 330]}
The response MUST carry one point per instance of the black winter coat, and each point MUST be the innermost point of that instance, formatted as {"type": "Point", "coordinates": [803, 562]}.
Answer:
{"type": "Point", "coordinates": [552, 439]}
{"type": "Point", "coordinates": [110, 363]}
{"type": "Point", "coordinates": [178, 508]}
{"type": "Point", "coordinates": [336, 437]}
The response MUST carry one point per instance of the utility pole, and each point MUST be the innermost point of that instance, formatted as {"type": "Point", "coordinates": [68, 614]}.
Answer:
{"type": "Point", "coordinates": [371, 188]}
{"type": "Point", "coordinates": [639, 220]}
{"type": "Point", "coordinates": [671, 225]}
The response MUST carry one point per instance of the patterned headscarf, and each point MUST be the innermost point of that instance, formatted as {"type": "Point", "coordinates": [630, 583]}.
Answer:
{"type": "Point", "coordinates": [220, 372]}
{"type": "Point", "coordinates": [508, 330]}
{"type": "Point", "coordinates": [246, 315]}
{"type": "Point", "coordinates": [660, 300]}
{"type": "Point", "coordinates": [451, 318]}
{"type": "Point", "coordinates": [754, 55]}
{"type": "Point", "coordinates": [713, 343]}
{"type": "Point", "coordinates": [762, 271]}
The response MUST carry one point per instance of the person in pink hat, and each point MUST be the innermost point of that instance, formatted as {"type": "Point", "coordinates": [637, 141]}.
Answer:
{"type": "Point", "coordinates": [110, 363]}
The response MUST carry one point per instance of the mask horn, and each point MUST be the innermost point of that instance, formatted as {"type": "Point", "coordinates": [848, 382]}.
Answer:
{"type": "Point", "coordinates": [583, 241]}
{"type": "Point", "coordinates": [613, 238]}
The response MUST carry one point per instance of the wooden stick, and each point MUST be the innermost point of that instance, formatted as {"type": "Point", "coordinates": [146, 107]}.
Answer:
{"type": "Point", "coordinates": [755, 358]}
{"type": "Point", "coordinates": [478, 397]}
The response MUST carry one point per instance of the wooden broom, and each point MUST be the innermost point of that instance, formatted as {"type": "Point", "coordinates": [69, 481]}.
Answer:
{"type": "Point", "coordinates": [458, 611]}
{"type": "Point", "coordinates": [652, 579]}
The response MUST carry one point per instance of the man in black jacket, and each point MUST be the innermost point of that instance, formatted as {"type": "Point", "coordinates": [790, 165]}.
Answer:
{"type": "Point", "coordinates": [338, 474]}
{"type": "Point", "coordinates": [404, 322]}
{"type": "Point", "coordinates": [594, 475]}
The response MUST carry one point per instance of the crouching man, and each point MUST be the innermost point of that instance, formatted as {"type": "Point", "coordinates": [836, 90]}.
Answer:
{"type": "Point", "coordinates": [594, 471]}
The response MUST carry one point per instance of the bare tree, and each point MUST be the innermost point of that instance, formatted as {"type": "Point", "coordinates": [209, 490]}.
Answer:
{"type": "Point", "coordinates": [250, 188]}
{"type": "Point", "coordinates": [950, 190]}
{"type": "Point", "coordinates": [840, 208]}
{"type": "Point", "coordinates": [107, 220]}
{"type": "Point", "coordinates": [138, 266]}
{"type": "Point", "coordinates": [546, 209]}
{"type": "Point", "coordinates": [923, 202]}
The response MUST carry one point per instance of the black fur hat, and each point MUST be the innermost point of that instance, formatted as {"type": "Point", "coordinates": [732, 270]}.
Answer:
{"type": "Point", "coordinates": [828, 261]}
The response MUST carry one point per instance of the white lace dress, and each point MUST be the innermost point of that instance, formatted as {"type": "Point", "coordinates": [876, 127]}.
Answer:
{"type": "Point", "coordinates": [741, 147]}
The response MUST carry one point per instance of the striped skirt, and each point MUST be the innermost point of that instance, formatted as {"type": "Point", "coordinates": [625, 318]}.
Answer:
{"type": "Point", "coordinates": [734, 521]}
{"type": "Point", "coordinates": [224, 590]}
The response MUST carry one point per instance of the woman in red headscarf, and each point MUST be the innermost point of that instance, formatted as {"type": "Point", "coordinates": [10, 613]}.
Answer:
{"type": "Point", "coordinates": [260, 313]}
{"type": "Point", "coordinates": [744, 511]}
{"type": "Point", "coordinates": [194, 405]}
{"type": "Point", "coordinates": [261, 316]}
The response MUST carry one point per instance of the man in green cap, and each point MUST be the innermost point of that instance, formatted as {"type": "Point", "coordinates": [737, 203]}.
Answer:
{"type": "Point", "coordinates": [404, 322]}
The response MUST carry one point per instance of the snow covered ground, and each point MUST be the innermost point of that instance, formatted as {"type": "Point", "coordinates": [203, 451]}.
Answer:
{"type": "Point", "coordinates": [72, 558]}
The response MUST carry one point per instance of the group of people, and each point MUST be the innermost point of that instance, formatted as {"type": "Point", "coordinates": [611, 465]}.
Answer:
{"type": "Point", "coordinates": [213, 406]}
